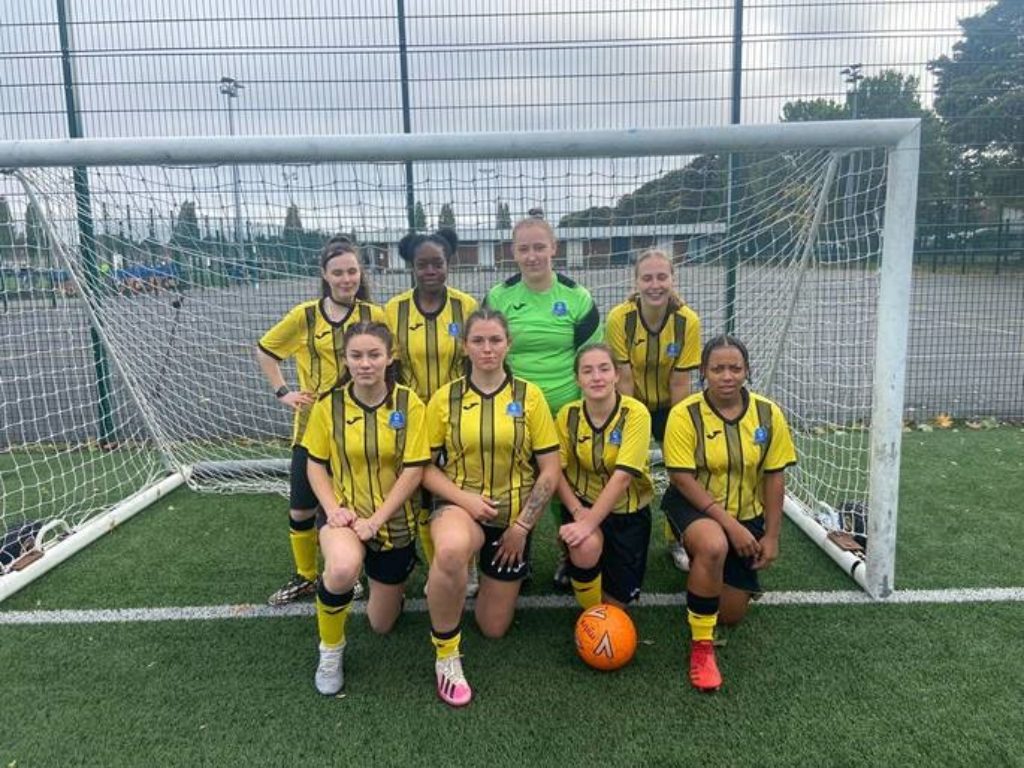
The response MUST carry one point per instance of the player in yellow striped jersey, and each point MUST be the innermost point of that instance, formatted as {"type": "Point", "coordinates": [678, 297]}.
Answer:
{"type": "Point", "coordinates": [427, 321]}
{"type": "Point", "coordinates": [605, 484]}
{"type": "Point", "coordinates": [655, 337]}
{"type": "Point", "coordinates": [367, 447]}
{"type": "Point", "coordinates": [726, 450]}
{"type": "Point", "coordinates": [312, 333]}
{"type": "Point", "coordinates": [501, 467]}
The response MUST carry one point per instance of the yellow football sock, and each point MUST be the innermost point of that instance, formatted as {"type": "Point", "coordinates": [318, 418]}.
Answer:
{"type": "Point", "coordinates": [588, 593]}
{"type": "Point", "coordinates": [670, 538]}
{"type": "Point", "coordinates": [446, 644]}
{"type": "Point", "coordinates": [702, 626]}
{"type": "Point", "coordinates": [332, 615]}
{"type": "Point", "coordinates": [303, 541]}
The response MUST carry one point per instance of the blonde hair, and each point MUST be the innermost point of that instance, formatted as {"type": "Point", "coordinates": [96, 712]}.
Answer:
{"type": "Point", "coordinates": [534, 221]}
{"type": "Point", "coordinates": [675, 301]}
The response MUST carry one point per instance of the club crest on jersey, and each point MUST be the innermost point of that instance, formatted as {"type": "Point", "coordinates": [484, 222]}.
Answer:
{"type": "Point", "coordinates": [672, 349]}
{"type": "Point", "coordinates": [454, 330]}
{"type": "Point", "coordinates": [396, 420]}
{"type": "Point", "coordinates": [615, 438]}
{"type": "Point", "coordinates": [560, 309]}
{"type": "Point", "coordinates": [514, 409]}
{"type": "Point", "coordinates": [760, 436]}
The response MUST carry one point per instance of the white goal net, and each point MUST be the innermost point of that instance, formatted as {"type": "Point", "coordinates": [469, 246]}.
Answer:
{"type": "Point", "coordinates": [134, 290]}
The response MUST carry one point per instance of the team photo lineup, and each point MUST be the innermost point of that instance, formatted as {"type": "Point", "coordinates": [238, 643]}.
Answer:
{"type": "Point", "coordinates": [456, 424]}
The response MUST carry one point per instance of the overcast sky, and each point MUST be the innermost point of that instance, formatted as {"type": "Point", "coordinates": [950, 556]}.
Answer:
{"type": "Point", "coordinates": [150, 67]}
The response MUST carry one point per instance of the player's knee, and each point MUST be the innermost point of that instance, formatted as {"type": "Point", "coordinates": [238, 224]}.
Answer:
{"type": "Point", "coordinates": [450, 556]}
{"type": "Point", "coordinates": [382, 625]}
{"type": "Point", "coordinates": [340, 575]}
{"type": "Point", "coordinates": [710, 547]}
{"type": "Point", "coordinates": [587, 554]}
{"type": "Point", "coordinates": [732, 609]}
{"type": "Point", "coordinates": [493, 627]}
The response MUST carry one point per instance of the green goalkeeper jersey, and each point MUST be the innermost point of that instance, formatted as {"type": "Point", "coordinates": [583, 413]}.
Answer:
{"type": "Point", "coordinates": [547, 328]}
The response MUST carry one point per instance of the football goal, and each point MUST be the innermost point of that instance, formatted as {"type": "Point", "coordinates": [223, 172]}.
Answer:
{"type": "Point", "coordinates": [136, 276]}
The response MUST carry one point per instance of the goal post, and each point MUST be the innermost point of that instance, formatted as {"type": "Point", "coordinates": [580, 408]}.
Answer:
{"type": "Point", "coordinates": [180, 292]}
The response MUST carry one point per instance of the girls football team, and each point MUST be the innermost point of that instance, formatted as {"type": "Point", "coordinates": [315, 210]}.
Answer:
{"type": "Point", "coordinates": [463, 423]}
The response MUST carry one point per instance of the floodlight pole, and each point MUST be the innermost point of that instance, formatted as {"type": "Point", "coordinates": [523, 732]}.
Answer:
{"type": "Point", "coordinates": [229, 87]}
{"type": "Point", "coordinates": [851, 76]}
{"type": "Point", "coordinates": [732, 207]}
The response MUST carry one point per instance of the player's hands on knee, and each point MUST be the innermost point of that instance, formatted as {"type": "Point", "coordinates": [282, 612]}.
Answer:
{"type": "Point", "coordinates": [340, 517]}
{"type": "Point", "coordinates": [365, 528]}
{"type": "Point", "coordinates": [480, 508]}
{"type": "Point", "coordinates": [575, 533]}
{"type": "Point", "coordinates": [742, 540]}
{"type": "Point", "coordinates": [768, 554]}
{"type": "Point", "coordinates": [511, 549]}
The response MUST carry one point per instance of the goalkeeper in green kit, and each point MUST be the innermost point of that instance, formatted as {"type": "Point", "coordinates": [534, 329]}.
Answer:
{"type": "Point", "coordinates": [550, 316]}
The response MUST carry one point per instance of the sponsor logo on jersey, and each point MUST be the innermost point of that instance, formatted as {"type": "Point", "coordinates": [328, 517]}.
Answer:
{"type": "Point", "coordinates": [415, 327]}
{"type": "Point", "coordinates": [713, 435]}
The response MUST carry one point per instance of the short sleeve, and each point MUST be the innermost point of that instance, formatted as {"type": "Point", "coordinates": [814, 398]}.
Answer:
{"type": "Point", "coordinates": [680, 440]}
{"type": "Point", "coordinates": [437, 419]}
{"type": "Point", "coordinates": [538, 420]}
{"type": "Point", "coordinates": [562, 428]}
{"type": "Point", "coordinates": [615, 336]}
{"type": "Point", "coordinates": [690, 357]}
{"type": "Point", "coordinates": [636, 441]}
{"type": "Point", "coordinates": [287, 337]}
{"type": "Point", "coordinates": [781, 452]}
{"type": "Point", "coordinates": [417, 448]}
{"type": "Point", "coordinates": [317, 437]}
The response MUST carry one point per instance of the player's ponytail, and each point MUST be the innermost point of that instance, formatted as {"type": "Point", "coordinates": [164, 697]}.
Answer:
{"type": "Point", "coordinates": [445, 238]}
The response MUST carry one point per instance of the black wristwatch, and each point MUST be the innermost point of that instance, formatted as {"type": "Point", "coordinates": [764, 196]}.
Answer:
{"type": "Point", "coordinates": [281, 392]}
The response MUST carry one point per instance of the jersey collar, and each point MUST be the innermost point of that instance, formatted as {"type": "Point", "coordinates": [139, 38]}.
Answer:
{"type": "Point", "coordinates": [611, 416]}
{"type": "Point", "coordinates": [429, 315]}
{"type": "Point", "coordinates": [744, 394]}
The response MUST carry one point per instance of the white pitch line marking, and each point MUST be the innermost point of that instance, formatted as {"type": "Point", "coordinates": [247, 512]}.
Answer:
{"type": "Point", "coordinates": [419, 605]}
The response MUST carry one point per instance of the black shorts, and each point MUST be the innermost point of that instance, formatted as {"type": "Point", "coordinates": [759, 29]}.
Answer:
{"type": "Point", "coordinates": [300, 492]}
{"type": "Point", "coordinates": [387, 566]}
{"type": "Point", "coordinates": [738, 572]}
{"type": "Point", "coordinates": [659, 418]}
{"type": "Point", "coordinates": [624, 554]}
{"type": "Point", "coordinates": [492, 536]}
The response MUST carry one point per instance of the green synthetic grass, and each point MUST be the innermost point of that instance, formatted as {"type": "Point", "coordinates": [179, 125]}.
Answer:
{"type": "Point", "coordinates": [805, 685]}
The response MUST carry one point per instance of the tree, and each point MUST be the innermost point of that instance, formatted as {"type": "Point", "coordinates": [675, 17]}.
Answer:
{"type": "Point", "coordinates": [503, 217]}
{"type": "Point", "coordinates": [980, 96]}
{"type": "Point", "coordinates": [419, 217]}
{"type": "Point", "coordinates": [801, 111]}
{"type": "Point", "coordinates": [37, 244]}
{"type": "Point", "coordinates": [292, 222]}
{"type": "Point", "coordinates": [6, 246]}
{"type": "Point", "coordinates": [447, 216]}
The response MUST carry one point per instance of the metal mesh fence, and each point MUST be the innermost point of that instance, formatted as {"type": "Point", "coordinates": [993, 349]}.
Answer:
{"type": "Point", "coordinates": [181, 67]}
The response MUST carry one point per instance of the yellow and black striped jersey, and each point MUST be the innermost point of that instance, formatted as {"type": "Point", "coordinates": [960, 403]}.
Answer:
{"type": "Point", "coordinates": [489, 441]}
{"type": "Point", "coordinates": [429, 343]}
{"type": "Point", "coordinates": [318, 346]}
{"type": "Point", "coordinates": [591, 452]}
{"type": "Point", "coordinates": [367, 449]}
{"type": "Point", "coordinates": [653, 354]}
{"type": "Point", "coordinates": [729, 458]}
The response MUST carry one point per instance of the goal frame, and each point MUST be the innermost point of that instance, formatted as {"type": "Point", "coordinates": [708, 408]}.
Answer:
{"type": "Point", "coordinates": [875, 573]}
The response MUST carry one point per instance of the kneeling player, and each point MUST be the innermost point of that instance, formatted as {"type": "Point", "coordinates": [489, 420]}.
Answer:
{"type": "Point", "coordinates": [725, 451]}
{"type": "Point", "coordinates": [371, 433]}
{"type": "Point", "coordinates": [605, 485]}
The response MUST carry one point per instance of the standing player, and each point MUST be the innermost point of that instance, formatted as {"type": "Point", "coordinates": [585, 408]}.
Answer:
{"type": "Point", "coordinates": [428, 322]}
{"type": "Point", "coordinates": [605, 484]}
{"type": "Point", "coordinates": [725, 451]}
{"type": "Point", "coordinates": [313, 333]}
{"type": "Point", "coordinates": [550, 317]}
{"type": "Point", "coordinates": [655, 338]}
{"type": "Point", "coordinates": [501, 467]}
{"type": "Point", "coordinates": [371, 433]}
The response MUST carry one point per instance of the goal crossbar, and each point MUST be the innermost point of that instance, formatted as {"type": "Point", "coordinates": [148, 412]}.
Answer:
{"type": "Point", "coordinates": [451, 146]}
